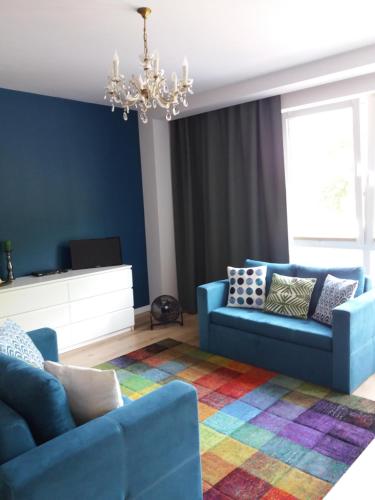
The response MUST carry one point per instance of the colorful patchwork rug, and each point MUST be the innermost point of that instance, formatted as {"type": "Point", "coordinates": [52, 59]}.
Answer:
{"type": "Point", "coordinates": [263, 435]}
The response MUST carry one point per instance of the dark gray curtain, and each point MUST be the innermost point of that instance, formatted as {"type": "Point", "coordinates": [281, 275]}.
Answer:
{"type": "Point", "coordinates": [228, 192]}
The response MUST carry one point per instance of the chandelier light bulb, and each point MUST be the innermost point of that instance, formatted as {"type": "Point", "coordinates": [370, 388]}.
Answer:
{"type": "Point", "coordinates": [156, 62]}
{"type": "Point", "coordinates": [185, 70]}
{"type": "Point", "coordinates": [115, 65]}
{"type": "Point", "coordinates": [174, 82]}
{"type": "Point", "coordinates": [150, 89]}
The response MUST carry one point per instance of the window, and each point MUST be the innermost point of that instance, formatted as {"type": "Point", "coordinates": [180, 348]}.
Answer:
{"type": "Point", "coordinates": [329, 184]}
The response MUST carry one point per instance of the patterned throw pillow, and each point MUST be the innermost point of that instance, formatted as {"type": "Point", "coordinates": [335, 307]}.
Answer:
{"type": "Point", "coordinates": [335, 291]}
{"type": "Point", "coordinates": [290, 296]}
{"type": "Point", "coordinates": [16, 343]}
{"type": "Point", "coordinates": [247, 287]}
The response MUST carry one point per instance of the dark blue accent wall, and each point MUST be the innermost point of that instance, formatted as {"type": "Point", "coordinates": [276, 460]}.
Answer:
{"type": "Point", "coordinates": [69, 170]}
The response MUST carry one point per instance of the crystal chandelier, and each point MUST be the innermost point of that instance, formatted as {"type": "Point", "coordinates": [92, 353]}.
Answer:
{"type": "Point", "coordinates": [150, 89]}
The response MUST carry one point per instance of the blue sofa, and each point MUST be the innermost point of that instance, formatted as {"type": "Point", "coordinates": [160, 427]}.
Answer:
{"type": "Point", "coordinates": [341, 356]}
{"type": "Point", "coordinates": [148, 449]}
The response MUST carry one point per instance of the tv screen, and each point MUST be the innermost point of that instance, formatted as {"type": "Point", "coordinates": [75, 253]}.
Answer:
{"type": "Point", "coordinates": [100, 252]}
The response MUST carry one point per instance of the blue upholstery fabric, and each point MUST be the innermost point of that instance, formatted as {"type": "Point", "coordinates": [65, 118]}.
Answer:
{"type": "Point", "coordinates": [141, 431]}
{"type": "Point", "coordinates": [45, 340]}
{"type": "Point", "coordinates": [272, 267]}
{"type": "Point", "coordinates": [341, 357]}
{"type": "Point", "coordinates": [145, 450]}
{"type": "Point", "coordinates": [304, 332]}
{"type": "Point", "coordinates": [37, 396]}
{"type": "Point", "coordinates": [291, 359]}
{"type": "Point", "coordinates": [368, 284]}
{"type": "Point", "coordinates": [354, 342]}
{"type": "Point", "coordinates": [15, 435]}
{"type": "Point", "coordinates": [350, 273]}
{"type": "Point", "coordinates": [209, 298]}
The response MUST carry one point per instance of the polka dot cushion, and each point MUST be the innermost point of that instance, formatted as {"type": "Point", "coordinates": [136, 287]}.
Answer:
{"type": "Point", "coordinates": [247, 287]}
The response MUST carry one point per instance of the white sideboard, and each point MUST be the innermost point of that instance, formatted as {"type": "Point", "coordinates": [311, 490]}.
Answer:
{"type": "Point", "coordinates": [81, 306]}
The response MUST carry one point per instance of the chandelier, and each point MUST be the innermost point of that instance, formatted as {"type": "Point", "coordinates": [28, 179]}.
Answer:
{"type": "Point", "coordinates": [150, 89]}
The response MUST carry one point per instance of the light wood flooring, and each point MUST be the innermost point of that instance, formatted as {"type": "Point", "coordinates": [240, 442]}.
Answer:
{"type": "Point", "coordinates": [104, 350]}
{"type": "Point", "coordinates": [112, 347]}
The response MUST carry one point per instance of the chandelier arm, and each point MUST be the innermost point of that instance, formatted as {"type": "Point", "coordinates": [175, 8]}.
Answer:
{"type": "Point", "coordinates": [130, 101]}
{"type": "Point", "coordinates": [164, 102]}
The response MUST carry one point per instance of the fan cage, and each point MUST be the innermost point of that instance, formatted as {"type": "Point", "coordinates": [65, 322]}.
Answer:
{"type": "Point", "coordinates": [165, 310]}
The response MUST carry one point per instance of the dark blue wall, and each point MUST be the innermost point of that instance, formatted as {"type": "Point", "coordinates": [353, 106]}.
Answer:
{"type": "Point", "coordinates": [69, 170]}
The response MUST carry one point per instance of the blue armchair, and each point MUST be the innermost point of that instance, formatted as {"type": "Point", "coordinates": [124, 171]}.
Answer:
{"type": "Point", "coordinates": [341, 356]}
{"type": "Point", "coordinates": [148, 449]}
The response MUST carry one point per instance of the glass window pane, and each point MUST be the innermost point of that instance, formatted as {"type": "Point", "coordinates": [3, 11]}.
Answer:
{"type": "Point", "coordinates": [326, 257]}
{"type": "Point", "coordinates": [372, 266]}
{"type": "Point", "coordinates": [321, 175]}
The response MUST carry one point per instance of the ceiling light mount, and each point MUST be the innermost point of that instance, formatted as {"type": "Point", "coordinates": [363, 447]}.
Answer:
{"type": "Point", "coordinates": [145, 12]}
{"type": "Point", "coordinates": [150, 89]}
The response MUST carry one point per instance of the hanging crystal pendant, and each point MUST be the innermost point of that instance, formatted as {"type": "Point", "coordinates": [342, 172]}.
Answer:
{"type": "Point", "coordinates": [150, 89]}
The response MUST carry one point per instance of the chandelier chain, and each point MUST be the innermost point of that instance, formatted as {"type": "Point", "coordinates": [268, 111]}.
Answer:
{"type": "Point", "coordinates": [145, 47]}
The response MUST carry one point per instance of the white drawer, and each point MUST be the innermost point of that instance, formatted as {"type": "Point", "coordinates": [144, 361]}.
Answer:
{"type": "Point", "coordinates": [102, 304]}
{"type": "Point", "coordinates": [90, 286]}
{"type": "Point", "coordinates": [64, 338]}
{"type": "Point", "coordinates": [52, 317]}
{"type": "Point", "coordinates": [102, 325]}
{"type": "Point", "coordinates": [29, 299]}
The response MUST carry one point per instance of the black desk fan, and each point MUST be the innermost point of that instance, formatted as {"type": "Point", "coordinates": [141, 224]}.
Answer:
{"type": "Point", "coordinates": [165, 310]}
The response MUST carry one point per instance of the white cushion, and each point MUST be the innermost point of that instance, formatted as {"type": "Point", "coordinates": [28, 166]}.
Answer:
{"type": "Point", "coordinates": [91, 392]}
{"type": "Point", "coordinates": [16, 343]}
{"type": "Point", "coordinates": [247, 287]}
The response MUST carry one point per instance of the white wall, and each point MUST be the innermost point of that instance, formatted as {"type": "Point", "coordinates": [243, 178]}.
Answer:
{"type": "Point", "coordinates": [336, 91]}
{"type": "Point", "coordinates": [158, 206]}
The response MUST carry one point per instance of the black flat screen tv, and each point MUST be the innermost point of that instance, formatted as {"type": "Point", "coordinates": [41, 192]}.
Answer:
{"type": "Point", "coordinates": [101, 252]}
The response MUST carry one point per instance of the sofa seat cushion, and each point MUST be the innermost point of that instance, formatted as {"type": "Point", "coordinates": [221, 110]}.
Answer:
{"type": "Point", "coordinates": [299, 331]}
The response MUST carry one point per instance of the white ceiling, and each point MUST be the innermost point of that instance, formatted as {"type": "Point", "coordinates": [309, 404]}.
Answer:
{"type": "Point", "coordinates": [64, 47]}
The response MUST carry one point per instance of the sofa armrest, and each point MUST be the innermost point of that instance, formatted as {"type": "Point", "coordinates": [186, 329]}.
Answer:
{"type": "Point", "coordinates": [45, 340]}
{"type": "Point", "coordinates": [84, 463]}
{"type": "Point", "coordinates": [353, 335]}
{"type": "Point", "coordinates": [161, 440]}
{"type": "Point", "coordinates": [149, 446]}
{"type": "Point", "coordinates": [210, 297]}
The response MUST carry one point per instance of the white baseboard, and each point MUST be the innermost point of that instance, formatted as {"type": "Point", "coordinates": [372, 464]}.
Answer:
{"type": "Point", "coordinates": [143, 309]}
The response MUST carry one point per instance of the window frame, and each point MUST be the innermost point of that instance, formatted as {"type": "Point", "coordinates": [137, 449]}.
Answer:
{"type": "Point", "coordinates": [363, 113]}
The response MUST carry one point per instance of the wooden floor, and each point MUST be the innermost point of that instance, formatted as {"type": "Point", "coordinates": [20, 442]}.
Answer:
{"type": "Point", "coordinates": [115, 346]}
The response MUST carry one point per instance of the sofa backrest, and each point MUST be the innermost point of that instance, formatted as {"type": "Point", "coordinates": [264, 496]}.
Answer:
{"type": "Point", "coordinates": [272, 267]}
{"type": "Point", "coordinates": [15, 435]}
{"type": "Point", "coordinates": [37, 396]}
{"type": "Point", "coordinates": [320, 273]}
